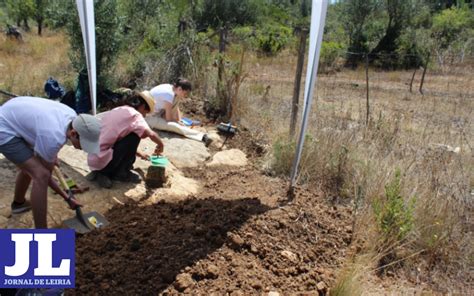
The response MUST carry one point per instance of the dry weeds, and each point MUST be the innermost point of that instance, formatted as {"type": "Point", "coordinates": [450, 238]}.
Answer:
{"type": "Point", "coordinates": [429, 138]}
{"type": "Point", "coordinates": [25, 66]}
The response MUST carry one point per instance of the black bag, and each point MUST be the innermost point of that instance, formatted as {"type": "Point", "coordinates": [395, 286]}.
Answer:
{"type": "Point", "coordinates": [53, 89]}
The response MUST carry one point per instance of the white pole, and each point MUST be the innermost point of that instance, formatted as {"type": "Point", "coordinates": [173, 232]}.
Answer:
{"type": "Point", "coordinates": [85, 9]}
{"type": "Point", "coordinates": [318, 18]}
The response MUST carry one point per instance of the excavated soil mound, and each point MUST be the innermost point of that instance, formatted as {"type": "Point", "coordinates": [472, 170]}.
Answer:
{"type": "Point", "coordinates": [221, 241]}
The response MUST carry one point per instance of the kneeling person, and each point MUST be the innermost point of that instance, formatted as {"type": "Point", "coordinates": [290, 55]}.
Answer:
{"type": "Point", "coordinates": [167, 115]}
{"type": "Point", "coordinates": [122, 129]}
{"type": "Point", "coordinates": [32, 131]}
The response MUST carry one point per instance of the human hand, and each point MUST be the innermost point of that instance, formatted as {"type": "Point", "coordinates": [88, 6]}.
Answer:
{"type": "Point", "coordinates": [73, 203]}
{"type": "Point", "coordinates": [143, 156]}
{"type": "Point", "coordinates": [159, 149]}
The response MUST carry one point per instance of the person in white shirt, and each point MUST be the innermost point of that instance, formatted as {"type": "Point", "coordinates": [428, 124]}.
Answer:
{"type": "Point", "coordinates": [32, 131]}
{"type": "Point", "coordinates": [167, 116]}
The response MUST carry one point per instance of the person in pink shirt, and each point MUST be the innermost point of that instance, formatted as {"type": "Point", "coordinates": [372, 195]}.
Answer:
{"type": "Point", "coordinates": [122, 129]}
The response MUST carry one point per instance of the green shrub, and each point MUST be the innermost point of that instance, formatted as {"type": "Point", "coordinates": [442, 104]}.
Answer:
{"type": "Point", "coordinates": [282, 156]}
{"type": "Point", "coordinates": [268, 39]}
{"type": "Point", "coordinates": [453, 34]}
{"type": "Point", "coordinates": [394, 215]}
{"type": "Point", "coordinates": [108, 41]}
{"type": "Point", "coordinates": [331, 52]}
{"type": "Point", "coordinates": [246, 35]}
{"type": "Point", "coordinates": [272, 38]}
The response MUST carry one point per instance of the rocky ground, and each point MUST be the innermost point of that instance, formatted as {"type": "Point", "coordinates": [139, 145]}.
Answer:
{"type": "Point", "coordinates": [218, 226]}
{"type": "Point", "coordinates": [238, 236]}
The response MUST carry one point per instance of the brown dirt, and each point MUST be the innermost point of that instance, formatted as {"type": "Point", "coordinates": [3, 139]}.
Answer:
{"type": "Point", "coordinates": [236, 237]}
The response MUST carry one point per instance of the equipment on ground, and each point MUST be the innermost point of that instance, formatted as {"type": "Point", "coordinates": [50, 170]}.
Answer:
{"type": "Point", "coordinates": [53, 89]}
{"type": "Point", "coordinates": [190, 122]}
{"type": "Point", "coordinates": [81, 223]}
{"type": "Point", "coordinates": [228, 130]}
{"type": "Point", "coordinates": [156, 173]}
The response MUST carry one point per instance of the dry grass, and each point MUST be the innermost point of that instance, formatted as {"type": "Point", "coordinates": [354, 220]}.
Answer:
{"type": "Point", "coordinates": [350, 277]}
{"type": "Point", "coordinates": [25, 66]}
{"type": "Point", "coordinates": [429, 138]}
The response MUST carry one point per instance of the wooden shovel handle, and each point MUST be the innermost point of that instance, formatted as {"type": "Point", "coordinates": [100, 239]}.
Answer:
{"type": "Point", "coordinates": [60, 177]}
{"type": "Point", "coordinates": [71, 201]}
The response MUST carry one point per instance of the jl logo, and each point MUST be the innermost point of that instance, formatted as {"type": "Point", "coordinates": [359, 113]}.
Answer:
{"type": "Point", "coordinates": [37, 258]}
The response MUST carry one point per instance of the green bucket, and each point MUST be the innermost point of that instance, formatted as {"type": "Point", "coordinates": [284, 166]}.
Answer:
{"type": "Point", "coordinates": [160, 161]}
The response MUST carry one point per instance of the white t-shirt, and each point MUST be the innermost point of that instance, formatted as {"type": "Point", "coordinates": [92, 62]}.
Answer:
{"type": "Point", "coordinates": [162, 93]}
{"type": "Point", "coordinates": [40, 122]}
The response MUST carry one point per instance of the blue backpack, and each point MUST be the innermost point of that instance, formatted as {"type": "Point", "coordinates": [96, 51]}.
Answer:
{"type": "Point", "coordinates": [53, 89]}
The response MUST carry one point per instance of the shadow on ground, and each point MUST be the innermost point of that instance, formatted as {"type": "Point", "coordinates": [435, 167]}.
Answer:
{"type": "Point", "coordinates": [145, 248]}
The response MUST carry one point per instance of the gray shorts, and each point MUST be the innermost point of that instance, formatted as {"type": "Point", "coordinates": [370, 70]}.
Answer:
{"type": "Point", "coordinates": [17, 150]}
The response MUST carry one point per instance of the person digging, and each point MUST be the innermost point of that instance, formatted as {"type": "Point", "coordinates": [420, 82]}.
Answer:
{"type": "Point", "coordinates": [122, 129]}
{"type": "Point", "coordinates": [32, 131]}
{"type": "Point", "coordinates": [167, 116]}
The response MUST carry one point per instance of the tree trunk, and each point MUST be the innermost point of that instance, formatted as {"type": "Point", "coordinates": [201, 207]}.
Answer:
{"type": "Point", "coordinates": [388, 45]}
{"type": "Point", "coordinates": [39, 14]}
{"type": "Point", "coordinates": [423, 75]}
{"type": "Point", "coordinates": [234, 96]}
{"type": "Point", "coordinates": [412, 78]}
{"type": "Point", "coordinates": [356, 46]}
{"type": "Point", "coordinates": [40, 25]}
{"type": "Point", "coordinates": [297, 85]}
{"type": "Point", "coordinates": [388, 41]}
{"type": "Point", "coordinates": [221, 94]}
{"type": "Point", "coordinates": [367, 116]}
{"type": "Point", "coordinates": [25, 24]}
{"type": "Point", "coordinates": [182, 26]}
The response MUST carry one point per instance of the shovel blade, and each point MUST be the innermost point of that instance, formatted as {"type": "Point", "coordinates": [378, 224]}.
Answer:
{"type": "Point", "coordinates": [93, 219]}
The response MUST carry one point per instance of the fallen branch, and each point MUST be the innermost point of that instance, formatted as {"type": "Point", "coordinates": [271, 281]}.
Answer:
{"type": "Point", "coordinates": [3, 92]}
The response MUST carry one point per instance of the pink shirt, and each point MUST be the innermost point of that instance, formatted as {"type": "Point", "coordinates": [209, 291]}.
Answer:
{"type": "Point", "coordinates": [116, 124]}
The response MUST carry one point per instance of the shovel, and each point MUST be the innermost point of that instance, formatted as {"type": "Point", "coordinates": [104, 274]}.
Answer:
{"type": "Point", "coordinates": [82, 223]}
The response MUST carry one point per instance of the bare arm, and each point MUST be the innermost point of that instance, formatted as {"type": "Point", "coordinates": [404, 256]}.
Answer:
{"type": "Point", "coordinates": [178, 114]}
{"type": "Point", "coordinates": [156, 139]}
{"type": "Point", "coordinates": [143, 156]}
{"type": "Point", "coordinates": [52, 184]}
{"type": "Point", "coordinates": [170, 114]}
{"type": "Point", "coordinates": [168, 111]}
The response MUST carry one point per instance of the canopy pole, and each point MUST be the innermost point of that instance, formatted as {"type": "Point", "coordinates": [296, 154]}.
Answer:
{"type": "Point", "coordinates": [85, 9]}
{"type": "Point", "coordinates": [318, 19]}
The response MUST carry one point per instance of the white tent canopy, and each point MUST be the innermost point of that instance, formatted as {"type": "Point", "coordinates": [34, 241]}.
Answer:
{"type": "Point", "coordinates": [85, 9]}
